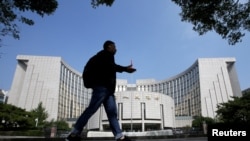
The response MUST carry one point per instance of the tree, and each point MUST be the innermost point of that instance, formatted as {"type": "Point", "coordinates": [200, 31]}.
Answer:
{"type": "Point", "coordinates": [235, 111]}
{"type": "Point", "coordinates": [10, 10]}
{"type": "Point", "coordinates": [228, 18]}
{"type": "Point", "coordinates": [96, 3]}
{"type": "Point", "coordinates": [13, 117]}
{"type": "Point", "coordinates": [40, 115]}
{"type": "Point", "coordinates": [199, 120]}
{"type": "Point", "coordinates": [60, 124]}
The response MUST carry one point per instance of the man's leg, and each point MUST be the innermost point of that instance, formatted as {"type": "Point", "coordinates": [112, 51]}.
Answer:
{"type": "Point", "coordinates": [111, 110]}
{"type": "Point", "coordinates": [98, 96]}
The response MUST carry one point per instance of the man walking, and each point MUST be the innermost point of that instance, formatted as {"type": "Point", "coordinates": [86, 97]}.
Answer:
{"type": "Point", "coordinates": [100, 75]}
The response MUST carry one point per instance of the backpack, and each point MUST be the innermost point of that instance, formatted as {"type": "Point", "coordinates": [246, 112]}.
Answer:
{"type": "Point", "coordinates": [88, 73]}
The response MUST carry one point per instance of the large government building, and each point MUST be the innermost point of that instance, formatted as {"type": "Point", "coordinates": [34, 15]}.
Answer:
{"type": "Point", "coordinates": [146, 105]}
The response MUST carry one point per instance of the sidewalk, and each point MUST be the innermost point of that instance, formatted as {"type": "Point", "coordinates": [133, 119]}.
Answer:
{"type": "Point", "coordinates": [28, 138]}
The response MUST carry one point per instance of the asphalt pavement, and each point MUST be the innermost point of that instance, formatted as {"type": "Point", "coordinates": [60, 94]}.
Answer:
{"type": "Point", "coordinates": [26, 138]}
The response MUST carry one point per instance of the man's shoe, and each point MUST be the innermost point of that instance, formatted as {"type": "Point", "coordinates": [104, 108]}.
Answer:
{"type": "Point", "coordinates": [125, 138]}
{"type": "Point", "coordinates": [73, 137]}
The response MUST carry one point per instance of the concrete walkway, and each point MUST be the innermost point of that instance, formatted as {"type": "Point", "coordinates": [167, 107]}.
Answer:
{"type": "Point", "coordinates": [28, 138]}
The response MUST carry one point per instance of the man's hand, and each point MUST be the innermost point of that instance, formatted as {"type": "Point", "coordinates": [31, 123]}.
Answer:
{"type": "Point", "coordinates": [129, 69]}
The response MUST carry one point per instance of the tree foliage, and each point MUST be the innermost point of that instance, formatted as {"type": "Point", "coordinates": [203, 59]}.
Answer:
{"type": "Point", "coordinates": [10, 14]}
{"type": "Point", "coordinates": [96, 3]}
{"type": "Point", "coordinates": [40, 114]}
{"type": "Point", "coordinates": [13, 117]}
{"type": "Point", "coordinates": [236, 110]}
{"type": "Point", "coordinates": [199, 121]}
{"type": "Point", "coordinates": [60, 125]}
{"type": "Point", "coordinates": [228, 18]}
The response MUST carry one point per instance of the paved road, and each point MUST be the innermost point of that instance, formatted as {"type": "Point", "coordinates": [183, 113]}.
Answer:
{"type": "Point", "coordinates": [176, 139]}
{"type": "Point", "coordinates": [25, 138]}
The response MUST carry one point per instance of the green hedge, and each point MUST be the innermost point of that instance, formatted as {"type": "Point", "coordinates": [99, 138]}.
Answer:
{"type": "Point", "coordinates": [23, 133]}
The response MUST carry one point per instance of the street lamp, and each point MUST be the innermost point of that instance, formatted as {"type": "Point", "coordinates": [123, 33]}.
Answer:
{"type": "Point", "coordinates": [3, 122]}
{"type": "Point", "coordinates": [131, 114]}
{"type": "Point", "coordinates": [36, 120]}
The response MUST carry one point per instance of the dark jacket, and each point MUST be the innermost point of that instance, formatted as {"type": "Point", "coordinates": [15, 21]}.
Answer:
{"type": "Point", "coordinates": [103, 70]}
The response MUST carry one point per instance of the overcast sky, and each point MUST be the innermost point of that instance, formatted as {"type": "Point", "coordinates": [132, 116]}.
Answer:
{"type": "Point", "coordinates": [148, 32]}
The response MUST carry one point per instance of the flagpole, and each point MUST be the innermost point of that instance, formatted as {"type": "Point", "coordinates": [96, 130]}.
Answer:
{"type": "Point", "coordinates": [131, 96]}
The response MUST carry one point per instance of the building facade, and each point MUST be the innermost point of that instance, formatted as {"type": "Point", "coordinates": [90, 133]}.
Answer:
{"type": "Point", "coordinates": [138, 111]}
{"type": "Point", "coordinates": [194, 92]}
{"type": "Point", "coordinates": [199, 89]}
{"type": "Point", "coordinates": [3, 96]}
{"type": "Point", "coordinates": [51, 81]}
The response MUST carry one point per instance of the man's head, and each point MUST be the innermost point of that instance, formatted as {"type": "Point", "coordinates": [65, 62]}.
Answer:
{"type": "Point", "coordinates": [109, 46]}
